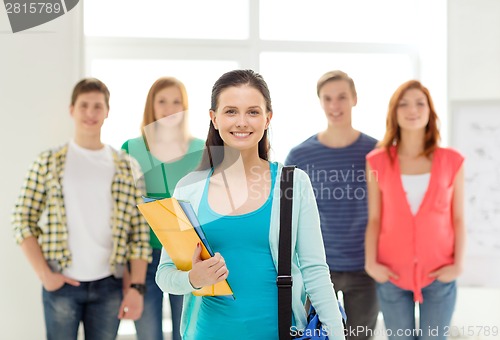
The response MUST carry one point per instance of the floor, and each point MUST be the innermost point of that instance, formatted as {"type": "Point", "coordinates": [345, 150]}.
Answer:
{"type": "Point", "coordinates": [127, 329]}
{"type": "Point", "coordinates": [379, 334]}
{"type": "Point", "coordinates": [127, 332]}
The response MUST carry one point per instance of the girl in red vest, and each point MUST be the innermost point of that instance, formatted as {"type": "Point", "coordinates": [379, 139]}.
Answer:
{"type": "Point", "coordinates": [415, 235]}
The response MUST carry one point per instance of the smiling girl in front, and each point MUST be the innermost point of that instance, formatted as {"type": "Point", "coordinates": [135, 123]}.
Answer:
{"type": "Point", "coordinates": [236, 197]}
{"type": "Point", "coordinates": [415, 235]}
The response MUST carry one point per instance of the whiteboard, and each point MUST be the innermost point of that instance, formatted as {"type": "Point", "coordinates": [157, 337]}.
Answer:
{"type": "Point", "coordinates": [476, 134]}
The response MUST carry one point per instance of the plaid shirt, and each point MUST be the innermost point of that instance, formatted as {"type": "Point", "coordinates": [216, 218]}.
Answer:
{"type": "Point", "coordinates": [42, 192]}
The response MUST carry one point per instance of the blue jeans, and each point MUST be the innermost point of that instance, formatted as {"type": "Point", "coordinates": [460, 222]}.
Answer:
{"type": "Point", "coordinates": [95, 303]}
{"type": "Point", "coordinates": [149, 326]}
{"type": "Point", "coordinates": [398, 309]}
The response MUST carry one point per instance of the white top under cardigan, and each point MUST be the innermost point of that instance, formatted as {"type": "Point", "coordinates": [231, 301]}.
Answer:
{"type": "Point", "coordinates": [415, 187]}
{"type": "Point", "coordinates": [307, 246]}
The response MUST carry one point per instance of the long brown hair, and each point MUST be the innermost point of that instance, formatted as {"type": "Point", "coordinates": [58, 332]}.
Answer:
{"type": "Point", "coordinates": [158, 85]}
{"type": "Point", "coordinates": [214, 145]}
{"type": "Point", "coordinates": [393, 132]}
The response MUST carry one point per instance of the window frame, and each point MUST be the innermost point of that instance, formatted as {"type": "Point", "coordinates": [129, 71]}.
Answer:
{"type": "Point", "coordinates": [246, 52]}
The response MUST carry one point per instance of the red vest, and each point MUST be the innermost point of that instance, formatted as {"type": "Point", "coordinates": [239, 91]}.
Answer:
{"type": "Point", "coordinates": [413, 246]}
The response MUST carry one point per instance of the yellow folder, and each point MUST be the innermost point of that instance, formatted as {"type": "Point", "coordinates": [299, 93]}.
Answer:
{"type": "Point", "coordinates": [179, 238]}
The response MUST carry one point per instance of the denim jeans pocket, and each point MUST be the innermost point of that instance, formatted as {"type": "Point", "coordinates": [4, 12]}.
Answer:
{"type": "Point", "coordinates": [439, 289]}
{"type": "Point", "coordinates": [59, 290]}
{"type": "Point", "coordinates": [111, 284]}
{"type": "Point", "coordinates": [389, 292]}
{"type": "Point", "coordinates": [444, 282]}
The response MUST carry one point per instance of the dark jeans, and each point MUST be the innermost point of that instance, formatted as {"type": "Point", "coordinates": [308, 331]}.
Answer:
{"type": "Point", "coordinates": [94, 303]}
{"type": "Point", "coordinates": [149, 326]}
{"type": "Point", "coordinates": [360, 303]}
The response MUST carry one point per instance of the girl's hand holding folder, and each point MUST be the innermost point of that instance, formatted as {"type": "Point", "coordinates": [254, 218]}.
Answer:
{"type": "Point", "coordinates": [207, 272]}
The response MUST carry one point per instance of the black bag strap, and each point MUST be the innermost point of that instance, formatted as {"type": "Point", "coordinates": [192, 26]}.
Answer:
{"type": "Point", "coordinates": [284, 279]}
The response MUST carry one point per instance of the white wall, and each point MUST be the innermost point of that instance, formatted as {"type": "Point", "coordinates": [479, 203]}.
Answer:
{"type": "Point", "coordinates": [474, 74]}
{"type": "Point", "coordinates": [474, 49]}
{"type": "Point", "coordinates": [433, 55]}
{"type": "Point", "coordinates": [38, 70]}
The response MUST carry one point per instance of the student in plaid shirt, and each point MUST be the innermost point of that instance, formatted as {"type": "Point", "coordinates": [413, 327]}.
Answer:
{"type": "Point", "coordinates": [77, 222]}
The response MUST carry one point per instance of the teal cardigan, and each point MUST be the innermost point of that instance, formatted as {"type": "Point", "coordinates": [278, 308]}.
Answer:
{"type": "Point", "coordinates": [310, 272]}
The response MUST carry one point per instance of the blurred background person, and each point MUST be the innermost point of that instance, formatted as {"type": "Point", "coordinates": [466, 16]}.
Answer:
{"type": "Point", "coordinates": [335, 161]}
{"type": "Point", "coordinates": [166, 152]}
{"type": "Point", "coordinates": [415, 236]}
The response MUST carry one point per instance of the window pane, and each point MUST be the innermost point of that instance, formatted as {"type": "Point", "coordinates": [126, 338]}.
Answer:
{"type": "Point", "coordinates": [129, 82]}
{"type": "Point", "coordinates": [339, 20]}
{"type": "Point", "coordinates": [297, 112]}
{"type": "Point", "coordinates": [167, 19]}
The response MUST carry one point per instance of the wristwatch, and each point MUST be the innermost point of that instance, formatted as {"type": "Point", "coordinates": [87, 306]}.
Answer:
{"type": "Point", "coordinates": [141, 288]}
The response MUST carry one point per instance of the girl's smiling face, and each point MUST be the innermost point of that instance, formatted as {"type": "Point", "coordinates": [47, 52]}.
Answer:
{"type": "Point", "coordinates": [241, 117]}
{"type": "Point", "coordinates": [413, 110]}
